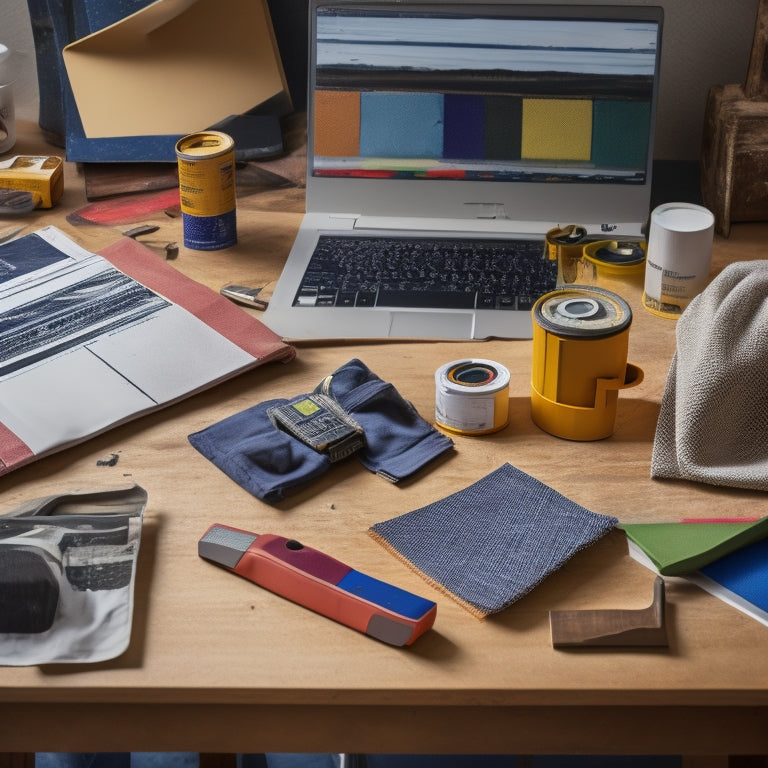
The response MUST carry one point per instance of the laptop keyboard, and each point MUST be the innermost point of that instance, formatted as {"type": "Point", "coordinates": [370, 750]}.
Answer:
{"type": "Point", "coordinates": [426, 272]}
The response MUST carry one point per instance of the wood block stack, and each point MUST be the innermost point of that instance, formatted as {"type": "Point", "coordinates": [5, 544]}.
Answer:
{"type": "Point", "coordinates": [734, 157]}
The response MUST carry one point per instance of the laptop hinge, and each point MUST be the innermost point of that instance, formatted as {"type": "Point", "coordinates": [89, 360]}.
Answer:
{"type": "Point", "coordinates": [420, 224]}
{"type": "Point", "coordinates": [343, 220]}
{"type": "Point", "coordinates": [480, 224]}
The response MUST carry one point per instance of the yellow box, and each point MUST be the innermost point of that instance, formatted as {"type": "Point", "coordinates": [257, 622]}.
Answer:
{"type": "Point", "coordinates": [42, 175]}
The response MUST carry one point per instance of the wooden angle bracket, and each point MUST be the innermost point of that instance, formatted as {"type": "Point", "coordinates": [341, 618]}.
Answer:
{"type": "Point", "coordinates": [612, 627]}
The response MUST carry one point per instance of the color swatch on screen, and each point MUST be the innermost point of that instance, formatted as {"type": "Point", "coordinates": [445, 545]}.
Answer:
{"type": "Point", "coordinates": [557, 129]}
{"type": "Point", "coordinates": [337, 123]}
{"type": "Point", "coordinates": [503, 122]}
{"type": "Point", "coordinates": [468, 127]}
{"type": "Point", "coordinates": [464, 130]}
{"type": "Point", "coordinates": [401, 125]}
{"type": "Point", "coordinates": [620, 133]}
{"type": "Point", "coordinates": [484, 93]}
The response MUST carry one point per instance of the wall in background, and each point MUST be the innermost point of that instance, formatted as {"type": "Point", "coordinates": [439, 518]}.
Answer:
{"type": "Point", "coordinates": [705, 42]}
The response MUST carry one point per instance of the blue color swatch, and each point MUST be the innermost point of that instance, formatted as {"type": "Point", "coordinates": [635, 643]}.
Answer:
{"type": "Point", "coordinates": [408, 125]}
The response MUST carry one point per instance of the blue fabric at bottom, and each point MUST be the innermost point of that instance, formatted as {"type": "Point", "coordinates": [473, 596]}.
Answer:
{"type": "Point", "coordinates": [441, 761]}
{"type": "Point", "coordinates": [523, 761]}
{"type": "Point", "coordinates": [83, 760]}
{"type": "Point", "coordinates": [117, 760]}
{"type": "Point", "coordinates": [296, 760]}
{"type": "Point", "coordinates": [301, 760]}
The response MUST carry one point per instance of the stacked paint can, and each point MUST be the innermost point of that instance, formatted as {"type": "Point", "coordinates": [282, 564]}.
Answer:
{"type": "Point", "coordinates": [566, 245]}
{"type": "Point", "coordinates": [206, 162]}
{"type": "Point", "coordinates": [580, 343]}
{"type": "Point", "coordinates": [616, 260]}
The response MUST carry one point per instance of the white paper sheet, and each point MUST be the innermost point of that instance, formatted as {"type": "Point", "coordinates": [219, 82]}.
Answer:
{"type": "Point", "coordinates": [84, 347]}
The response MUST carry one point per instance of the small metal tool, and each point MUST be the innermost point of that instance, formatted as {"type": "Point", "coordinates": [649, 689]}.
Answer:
{"type": "Point", "coordinates": [246, 296]}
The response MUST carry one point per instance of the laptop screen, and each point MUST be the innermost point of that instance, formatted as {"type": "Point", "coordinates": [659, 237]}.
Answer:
{"type": "Point", "coordinates": [430, 93]}
{"type": "Point", "coordinates": [529, 113]}
{"type": "Point", "coordinates": [436, 94]}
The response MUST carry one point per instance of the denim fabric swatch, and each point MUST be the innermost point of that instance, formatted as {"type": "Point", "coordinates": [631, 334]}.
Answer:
{"type": "Point", "coordinates": [493, 542]}
{"type": "Point", "coordinates": [258, 456]}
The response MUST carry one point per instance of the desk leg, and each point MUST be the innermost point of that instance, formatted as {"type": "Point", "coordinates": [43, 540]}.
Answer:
{"type": "Point", "coordinates": [207, 760]}
{"type": "Point", "coordinates": [17, 760]}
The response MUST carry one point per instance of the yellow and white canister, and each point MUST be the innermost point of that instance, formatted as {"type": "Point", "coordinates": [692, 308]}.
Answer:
{"type": "Point", "coordinates": [616, 259]}
{"type": "Point", "coordinates": [580, 344]}
{"type": "Point", "coordinates": [206, 162]}
{"type": "Point", "coordinates": [472, 397]}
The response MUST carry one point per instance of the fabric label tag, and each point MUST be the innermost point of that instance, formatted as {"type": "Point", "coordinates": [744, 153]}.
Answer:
{"type": "Point", "coordinates": [321, 423]}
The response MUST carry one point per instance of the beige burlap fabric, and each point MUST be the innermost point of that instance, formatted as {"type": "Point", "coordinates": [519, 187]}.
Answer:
{"type": "Point", "coordinates": [713, 424]}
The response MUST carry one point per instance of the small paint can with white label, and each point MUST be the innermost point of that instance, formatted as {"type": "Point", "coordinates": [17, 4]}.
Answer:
{"type": "Point", "coordinates": [472, 397]}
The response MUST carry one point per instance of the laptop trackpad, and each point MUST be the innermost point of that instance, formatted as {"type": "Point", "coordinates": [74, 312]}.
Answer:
{"type": "Point", "coordinates": [431, 325]}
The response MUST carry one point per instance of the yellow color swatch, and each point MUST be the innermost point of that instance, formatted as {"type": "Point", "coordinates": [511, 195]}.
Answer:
{"type": "Point", "coordinates": [337, 123]}
{"type": "Point", "coordinates": [557, 129]}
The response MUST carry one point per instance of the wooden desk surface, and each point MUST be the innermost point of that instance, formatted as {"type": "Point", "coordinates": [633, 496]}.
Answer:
{"type": "Point", "coordinates": [217, 664]}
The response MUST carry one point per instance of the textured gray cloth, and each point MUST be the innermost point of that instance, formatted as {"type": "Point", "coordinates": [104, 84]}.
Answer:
{"type": "Point", "coordinates": [713, 424]}
{"type": "Point", "coordinates": [494, 541]}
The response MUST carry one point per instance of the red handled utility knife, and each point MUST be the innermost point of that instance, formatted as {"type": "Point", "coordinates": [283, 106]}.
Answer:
{"type": "Point", "coordinates": [321, 583]}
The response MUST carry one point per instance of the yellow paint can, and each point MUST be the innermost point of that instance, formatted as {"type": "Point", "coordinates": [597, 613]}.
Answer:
{"type": "Point", "coordinates": [206, 162]}
{"type": "Point", "coordinates": [580, 343]}
{"type": "Point", "coordinates": [616, 259]}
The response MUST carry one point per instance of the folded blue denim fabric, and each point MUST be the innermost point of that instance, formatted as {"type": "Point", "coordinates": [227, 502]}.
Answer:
{"type": "Point", "coordinates": [268, 462]}
{"type": "Point", "coordinates": [257, 455]}
{"type": "Point", "coordinates": [398, 441]}
{"type": "Point", "coordinates": [491, 543]}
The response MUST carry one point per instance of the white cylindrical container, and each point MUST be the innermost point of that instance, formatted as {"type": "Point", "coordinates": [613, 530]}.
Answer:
{"type": "Point", "coordinates": [7, 107]}
{"type": "Point", "coordinates": [472, 397]}
{"type": "Point", "coordinates": [679, 257]}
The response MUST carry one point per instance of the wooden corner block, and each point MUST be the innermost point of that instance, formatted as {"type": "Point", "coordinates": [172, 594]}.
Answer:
{"type": "Point", "coordinates": [613, 627]}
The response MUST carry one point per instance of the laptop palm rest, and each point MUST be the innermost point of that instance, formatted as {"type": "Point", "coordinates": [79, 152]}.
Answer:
{"type": "Point", "coordinates": [431, 326]}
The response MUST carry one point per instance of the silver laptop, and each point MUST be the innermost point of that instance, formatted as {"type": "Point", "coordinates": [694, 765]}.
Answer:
{"type": "Point", "coordinates": [482, 124]}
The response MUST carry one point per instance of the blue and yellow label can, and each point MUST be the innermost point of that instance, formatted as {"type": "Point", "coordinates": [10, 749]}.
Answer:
{"type": "Point", "coordinates": [206, 162]}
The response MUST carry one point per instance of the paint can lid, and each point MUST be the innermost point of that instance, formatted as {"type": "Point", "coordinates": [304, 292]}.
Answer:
{"type": "Point", "coordinates": [582, 312]}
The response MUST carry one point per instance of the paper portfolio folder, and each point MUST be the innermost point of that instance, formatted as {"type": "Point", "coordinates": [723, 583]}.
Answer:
{"type": "Point", "coordinates": [89, 341]}
{"type": "Point", "coordinates": [169, 69]}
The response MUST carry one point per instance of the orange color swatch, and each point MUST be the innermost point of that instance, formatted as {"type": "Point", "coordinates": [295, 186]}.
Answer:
{"type": "Point", "coordinates": [337, 123]}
